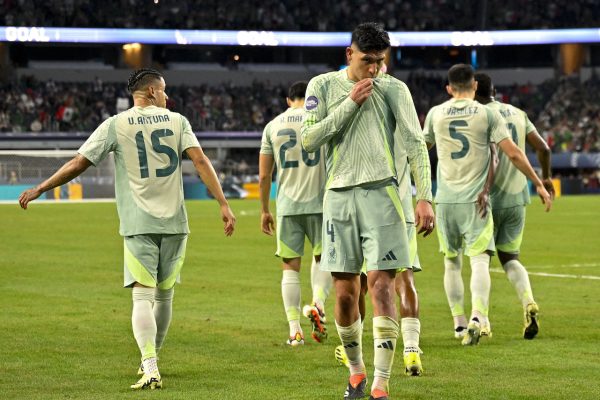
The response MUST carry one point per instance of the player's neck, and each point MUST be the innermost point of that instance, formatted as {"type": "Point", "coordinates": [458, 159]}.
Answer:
{"type": "Point", "coordinates": [296, 104]}
{"type": "Point", "coordinates": [142, 101]}
{"type": "Point", "coordinates": [468, 95]}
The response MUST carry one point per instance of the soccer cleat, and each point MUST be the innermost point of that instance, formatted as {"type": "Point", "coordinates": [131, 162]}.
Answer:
{"type": "Point", "coordinates": [148, 381]}
{"type": "Point", "coordinates": [531, 321]}
{"type": "Point", "coordinates": [317, 319]}
{"type": "Point", "coordinates": [473, 333]}
{"type": "Point", "coordinates": [378, 395]}
{"type": "Point", "coordinates": [460, 332]}
{"type": "Point", "coordinates": [412, 364]}
{"type": "Point", "coordinates": [486, 330]}
{"type": "Point", "coordinates": [296, 340]}
{"type": "Point", "coordinates": [341, 357]}
{"type": "Point", "coordinates": [356, 391]}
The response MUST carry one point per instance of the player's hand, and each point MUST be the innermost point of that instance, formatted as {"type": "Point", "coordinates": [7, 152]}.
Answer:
{"type": "Point", "coordinates": [424, 218]}
{"type": "Point", "coordinates": [267, 224]}
{"type": "Point", "coordinates": [482, 203]}
{"type": "Point", "coordinates": [228, 219]}
{"type": "Point", "coordinates": [27, 196]}
{"type": "Point", "coordinates": [549, 186]}
{"type": "Point", "coordinates": [362, 90]}
{"type": "Point", "coordinates": [545, 196]}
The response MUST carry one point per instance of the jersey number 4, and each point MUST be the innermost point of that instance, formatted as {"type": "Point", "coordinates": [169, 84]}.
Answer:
{"type": "Point", "coordinates": [291, 143]}
{"type": "Point", "coordinates": [159, 148]}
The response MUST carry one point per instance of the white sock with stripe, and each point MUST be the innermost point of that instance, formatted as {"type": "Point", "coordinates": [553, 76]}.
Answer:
{"type": "Point", "coordinates": [321, 282]}
{"type": "Point", "coordinates": [411, 330]}
{"type": "Point", "coordinates": [351, 337]}
{"type": "Point", "coordinates": [385, 334]}
{"type": "Point", "coordinates": [455, 290]}
{"type": "Point", "coordinates": [163, 309]}
{"type": "Point", "coordinates": [480, 286]}
{"type": "Point", "coordinates": [518, 276]}
{"type": "Point", "coordinates": [290, 291]}
{"type": "Point", "coordinates": [144, 326]}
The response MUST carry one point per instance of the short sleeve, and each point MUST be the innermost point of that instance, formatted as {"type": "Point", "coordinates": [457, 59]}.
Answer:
{"type": "Point", "coordinates": [428, 127]}
{"type": "Point", "coordinates": [529, 127]}
{"type": "Point", "coordinates": [101, 142]}
{"type": "Point", "coordinates": [266, 146]}
{"type": "Point", "coordinates": [497, 127]}
{"type": "Point", "coordinates": [188, 139]}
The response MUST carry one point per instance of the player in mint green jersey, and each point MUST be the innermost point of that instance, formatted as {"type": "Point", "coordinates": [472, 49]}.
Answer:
{"type": "Point", "coordinates": [510, 195]}
{"type": "Point", "coordinates": [358, 117]}
{"type": "Point", "coordinates": [301, 183]}
{"type": "Point", "coordinates": [147, 142]}
{"type": "Point", "coordinates": [462, 130]}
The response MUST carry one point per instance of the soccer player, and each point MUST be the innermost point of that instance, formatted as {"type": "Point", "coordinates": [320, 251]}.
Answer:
{"type": "Point", "coordinates": [355, 113]}
{"type": "Point", "coordinates": [462, 130]}
{"type": "Point", "coordinates": [147, 141]}
{"type": "Point", "coordinates": [301, 183]}
{"type": "Point", "coordinates": [509, 196]}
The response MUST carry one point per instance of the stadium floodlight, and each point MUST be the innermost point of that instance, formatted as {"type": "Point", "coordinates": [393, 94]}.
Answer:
{"type": "Point", "coordinates": [294, 39]}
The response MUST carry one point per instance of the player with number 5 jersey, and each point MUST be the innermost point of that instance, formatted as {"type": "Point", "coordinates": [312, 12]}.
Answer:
{"type": "Point", "coordinates": [147, 141]}
{"type": "Point", "coordinates": [463, 131]}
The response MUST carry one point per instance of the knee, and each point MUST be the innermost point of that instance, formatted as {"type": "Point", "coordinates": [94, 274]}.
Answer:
{"type": "Point", "coordinates": [346, 299]}
{"type": "Point", "coordinates": [164, 295]}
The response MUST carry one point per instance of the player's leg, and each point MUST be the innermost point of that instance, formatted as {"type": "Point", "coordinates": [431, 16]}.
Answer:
{"type": "Point", "coordinates": [386, 249]}
{"type": "Point", "coordinates": [340, 354]}
{"type": "Point", "coordinates": [450, 240]}
{"type": "Point", "coordinates": [140, 272]}
{"type": "Point", "coordinates": [290, 247]}
{"type": "Point", "coordinates": [509, 236]}
{"type": "Point", "coordinates": [479, 238]}
{"type": "Point", "coordinates": [343, 258]}
{"type": "Point", "coordinates": [172, 257]}
{"type": "Point", "coordinates": [410, 326]}
{"type": "Point", "coordinates": [321, 281]}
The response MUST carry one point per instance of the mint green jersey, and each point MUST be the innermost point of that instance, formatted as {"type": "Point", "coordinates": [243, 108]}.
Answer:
{"type": "Point", "coordinates": [360, 140]}
{"type": "Point", "coordinates": [462, 130]}
{"type": "Point", "coordinates": [510, 185]}
{"type": "Point", "coordinates": [147, 144]}
{"type": "Point", "coordinates": [300, 175]}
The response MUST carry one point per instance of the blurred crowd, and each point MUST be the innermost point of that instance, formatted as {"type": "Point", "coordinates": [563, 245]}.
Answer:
{"type": "Point", "coordinates": [565, 111]}
{"type": "Point", "coordinates": [303, 15]}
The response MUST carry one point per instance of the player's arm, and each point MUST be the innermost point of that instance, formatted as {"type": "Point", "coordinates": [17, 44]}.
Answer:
{"type": "Point", "coordinates": [418, 156]}
{"type": "Point", "coordinates": [519, 160]}
{"type": "Point", "coordinates": [319, 128]}
{"type": "Point", "coordinates": [69, 171]}
{"type": "Point", "coordinates": [266, 162]}
{"type": "Point", "coordinates": [484, 197]}
{"type": "Point", "coordinates": [209, 177]}
{"type": "Point", "coordinates": [543, 153]}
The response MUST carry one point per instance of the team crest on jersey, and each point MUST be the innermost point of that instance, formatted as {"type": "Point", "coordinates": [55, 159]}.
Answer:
{"type": "Point", "coordinates": [332, 255]}
{"type": "Point", "coordinates": [311, 103]}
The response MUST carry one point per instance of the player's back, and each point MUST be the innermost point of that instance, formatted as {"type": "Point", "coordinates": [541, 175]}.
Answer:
{"type": "Point", "coordinates": [510, 185]}
{"type": "Point", "coordinates": [300, 175]}
{"type": "Point", "coordinates": [147, 143]}
{"type": "Point", "coordinates": [460, 129]}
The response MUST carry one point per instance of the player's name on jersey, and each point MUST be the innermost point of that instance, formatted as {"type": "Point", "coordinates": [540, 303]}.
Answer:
{"type": "Point", "coordinates": [148, 119]}
{"type": "Point", "coordinates": [460, 111]}
{"type": "Point", "coordinates": [507, 113]}
{"type": "Point", "coordinates": [291, 118]}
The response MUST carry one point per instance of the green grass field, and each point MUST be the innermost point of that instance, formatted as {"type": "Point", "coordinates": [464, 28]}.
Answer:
{"type": "Point", "coordinates": [66, 330]}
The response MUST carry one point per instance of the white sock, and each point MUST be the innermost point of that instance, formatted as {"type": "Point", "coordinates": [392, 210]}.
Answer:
{"type": "Point", "coordinates": [411, 330]}
{"type": "Point", "coordinates": [517, 275]}
{"type": "Point", "coordinates": [163, 308]}
{"type": "Point", "coordinates": [351, 337]}
{"type": "Point", "coordinates": [142, 321]}
{"type": "Point", "coordinates": [455, 290]}
{"type": "Point", "coordinates": [385, 334]}
{"type": "Point", "coordinates": [290, 291]}
{"type": "Point", "coordinates": [480, 286]}
{"type": "Point", "coordinates": [321, 282]}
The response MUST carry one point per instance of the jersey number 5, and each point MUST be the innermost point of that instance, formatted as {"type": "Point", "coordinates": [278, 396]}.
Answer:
{"type": "Point", "coordinates": [459, 136]}
{"type": "Point", "coordinates": [159, 148]}
{"type": "Point", "coordinates": [310, 162]}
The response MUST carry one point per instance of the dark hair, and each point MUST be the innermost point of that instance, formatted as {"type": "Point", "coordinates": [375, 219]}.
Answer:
{"type": "Point", "coordinates": [141, 78]}
{"type": "Point", "coordinates": [370, 37]}
{"type": "Point", "coordinates": [297, 90]}
{"type": "Point", "coordinates": [460, 76]}
{"type": "Point", "coordinates": [484, 85]}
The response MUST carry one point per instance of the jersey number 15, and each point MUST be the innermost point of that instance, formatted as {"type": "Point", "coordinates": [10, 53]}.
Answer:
{"type": "Point", "coordinates": [159, 148]}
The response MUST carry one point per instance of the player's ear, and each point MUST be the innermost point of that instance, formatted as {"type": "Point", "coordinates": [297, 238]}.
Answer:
{"type": "Point", "coordinates": [449, 89]}
{"type": "Point", "coordinates": [475, 84]}
{"type": "Point", "coordinates": [288, 101]}
{"type": "Point", "coordinates": [349, 52]}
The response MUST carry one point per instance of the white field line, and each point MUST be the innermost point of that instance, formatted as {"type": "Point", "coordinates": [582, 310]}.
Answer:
{"type": "Point", "coordinates": [584, 265]}
{"type": "Point", "coordinates": [36, 202]}
{"type": "Point", "coordinates": [568, 276]}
